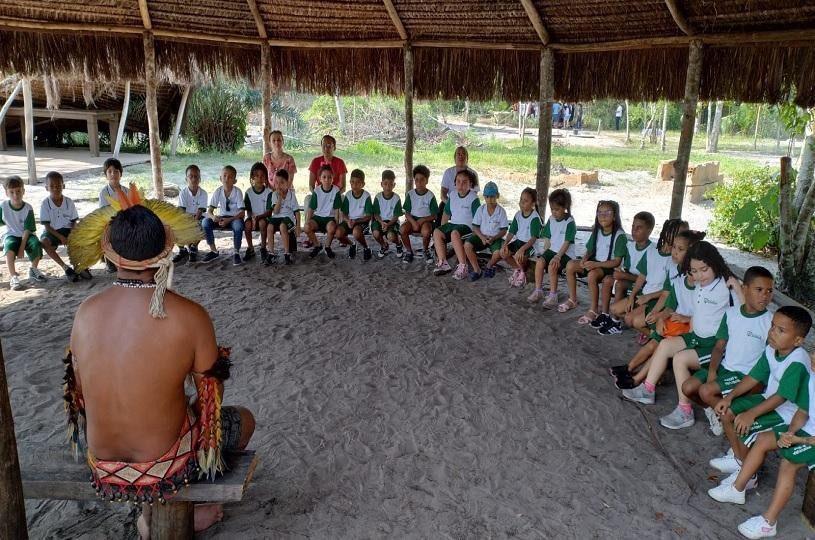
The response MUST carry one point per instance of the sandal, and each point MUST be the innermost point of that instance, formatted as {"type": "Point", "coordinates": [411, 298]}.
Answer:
{"type": "Point", "coordinates": [567, 306]}
{"type": "Point", "coordinates": [642, 339]}
{"type": "Point", "coordinates": [586, 318]}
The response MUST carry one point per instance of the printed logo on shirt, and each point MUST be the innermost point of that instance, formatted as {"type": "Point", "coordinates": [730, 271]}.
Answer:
{"type": "Point", "coordinates": [757, 336]}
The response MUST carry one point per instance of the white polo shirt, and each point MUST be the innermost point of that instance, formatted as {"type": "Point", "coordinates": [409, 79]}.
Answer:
{"type": "Point", "coordinates": [491, 224]}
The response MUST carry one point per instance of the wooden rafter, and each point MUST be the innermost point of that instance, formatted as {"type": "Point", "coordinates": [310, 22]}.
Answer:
{"type": "Point", "coordinates": [145, 15]}
{"type": "Point", "coordinates": [535, 19]}
{"type": "Point", "coordinates": [678, 17]}
{"type": "Point", "coordinates": [397, 22]}
{"type": "Point", "coordinates": [253, 7]}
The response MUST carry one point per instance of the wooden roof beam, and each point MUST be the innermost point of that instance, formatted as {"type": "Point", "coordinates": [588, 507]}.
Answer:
{"type": "Point", "coordinates": [535, 19]}
{"type": "Point", "coordinates": [253, 7]}
{"type": "Point", "coordinates": [678, 17]}
{"type": "Point", "coordinates": [145, 15]}
{"type": "Point", "coordinates": [397, 22]}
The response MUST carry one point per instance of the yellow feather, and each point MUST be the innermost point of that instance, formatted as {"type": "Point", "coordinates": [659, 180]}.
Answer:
{"type": "Point", "coordinates": [184, 226]}
{"type": "Point", "coordinates": [84, 242]}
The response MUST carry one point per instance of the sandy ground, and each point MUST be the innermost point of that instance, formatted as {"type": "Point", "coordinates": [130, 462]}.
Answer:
{"type": "Point", "coordinates": [391, 403]}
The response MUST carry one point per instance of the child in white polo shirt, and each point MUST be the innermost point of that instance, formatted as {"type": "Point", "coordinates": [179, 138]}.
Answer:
{"type": "Point", "coordinates": [420, 210]}
{"type": "Point", "coordinates": [58, 215]}
{"type": "Point", "coordinates": [456, 223]}
{"type": "Point", "coordinates": [323, 212]}
{"type": "Point", "coordinates": [228, 200]}
{"type": "Point", "coordinates": [524, 230]}
{"type": "Point", "coordinates": [356, 215]}
{"type": "Point", "coordinates": [558, 246]}
{"type": "Point", "coordinates": [255, 200]}
{"type": "Point", "coordinates": [387, 209]}
{"type": "Point", "coordinates": [490, 225]}
{"type": "Point", "coordinates": [193, 200]}
{"type": "Point", "coordinates": [20, 236]}
{"type": "Point", "coordinates": [282, 208]}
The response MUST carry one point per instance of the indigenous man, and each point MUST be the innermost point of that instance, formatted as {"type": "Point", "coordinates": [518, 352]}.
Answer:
{"type": "Point", "coordinates": [126, 388]}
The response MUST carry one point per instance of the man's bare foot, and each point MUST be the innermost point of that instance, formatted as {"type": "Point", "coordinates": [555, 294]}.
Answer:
{"type": "Point", "coordinates": [207, 515]}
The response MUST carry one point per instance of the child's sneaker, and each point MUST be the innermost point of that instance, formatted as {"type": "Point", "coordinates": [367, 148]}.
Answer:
{"type": "Point", "coordinates": [489, 272]}
{"type": "Point", "coordinates": [85, 274]}
{"type": "Point", "coordinates": [752, 482]}
{"type": "Point", "coordinates": [382, 253]}
{"type": "Point", "coordinates": [640, 395]}
{"type": "Point", "coordinates": [678, 419]}
{"type": "Point", "coordinates": [551, 301]}
{"type": "Point", "coordinates": [461, 271]}
{"type": "Point", "coordinates": [193, 256]}
{"type": "Point", "coordinates": [757, 527]}
{"type": "Point", "coordinates": [475, 276]}
{"type": "Point", "coordinates": [181, 257]}
{"type": "Point", "coordinates": [269, 260]}
{"type": "Point", "coordinates": [248, 255]}
{"type": "Point", "coordinates": [408, 258]}
{"type": "Point", "coordinates": [518, 278]}
{"type": "Point", "coordinates": [611, 328]}
{"type": "Point", "coordinates": [624, 382]}
{"type": "Point", "coordinates": [36, 275]}
{"type": "Point", "coordinates": [211, 256]}
{"type": "Point", "coordinates": [727, 463]}
{"type": "Point", "coordinates": [367, 254]}
{"type": "Point", "coordinates": [236, 259]}
{"type": "Point", "coordinates": [287, 258]}
{"type": "Point", "coordinates": [428, 256]}
{"type": "Point", "coordinates": [315, 251]}
{"type": "Point", "coordinates": [264, 254]}
{"type": "Point", "coordinates": [535, 297]}
{"type": "Point", "coordinates": [442, 267]}
{"type": "Point", "coordinates": [70, 275]}
{"type": "Point", "coordinates": [616, 371]}
{"type": "Point", "coordinates": [599, 321]}
{"type": "Point", "coordinates": [352, 251]}
{"type": "Point", "coordinates": [15, 284]}
{"type": "Point", "coordinates": [715, 422]}
{"type": "Point", "coordinates": [726, 493]}
{"type": "Point", "coordinates": [330, 253]}
{"type": "Point", "coordinates": [399, 252]}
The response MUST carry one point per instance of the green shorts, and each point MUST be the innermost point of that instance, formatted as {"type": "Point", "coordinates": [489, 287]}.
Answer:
{"type": "Point", "coordinates": [726, 379]}
{"type": "Point", "coordinates": [33, 248]}
{"type": "Point", "coordinates": [702, 346]}
{"type": "Point", "coordinates": [53, 239]}
{"type": "Point", "coordinates": [322, 222]}
{"type": "Point", "coordinates": [448, 229]}
{"type": "Point", "coordinates": [606, 272]}
{"type": "Point", "coordinates": [478, 245]}
{"type": "Point", "coordinates": [366, 227]}
{"type": "Point", "coordinates": [765, 422]}
{"type": "Point", "coordinates": [799, 453]}
{"type": "Point", "coordinates": [277, 221]}
{"type": "Point", "coordinates": [376, 226]}
{"type": "Point", "coordinates": [548, 255]}
{"type": "Point", "coordinates": [649, 306]}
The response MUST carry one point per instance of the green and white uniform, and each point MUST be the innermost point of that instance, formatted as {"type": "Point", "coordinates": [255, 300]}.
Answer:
{"type": "Point", "coordinates": [287, 208]}
{"type": "Point", "coordinates": [61, 218]}
{"type": "Point", "coordinates": [633, 255]}
{"type": "Point", "coordinates": [558, 232]}
{"type": "Point", "coordinates": [710, 303]}
{"type": "Point", "coordinates": [801, 453]}
{"type": "Point", "coordinates": [17, 221]}
{"type": "Point", "coordinates": [323, 203]}
{"type": "Point", "coordinates": [387, 209]}
{"type": "Point", "coordinates": [607, 246]}
{"type": "Point", "coordinates": [523, 228]}
{"type": "Point", "coordinates": [255, 201]}
{"type": "Point", "coordinates": [655, 266]}
{"type": "Point", "coordinates": [192, 202]}
{"type": "Point", "coordinates": [461, 211]}
{"type": "Point", "coordinates": [356, 208]}
{"type": "Point", "coordinates": [420, 205]}
{"type": "Point", "coordinates": [489, 225]}
{"type": "Point", "coordinates": [787, 377]}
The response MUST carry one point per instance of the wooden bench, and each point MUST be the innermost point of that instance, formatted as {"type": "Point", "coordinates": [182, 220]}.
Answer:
{"type": "Point", "coordinates": [52, 473]}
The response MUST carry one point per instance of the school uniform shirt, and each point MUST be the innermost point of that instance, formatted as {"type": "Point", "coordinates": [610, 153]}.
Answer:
{"type": "Point", "coordinates": [809, 426]}
{"type": "Point", "coordinates": [59, 217]}
{"type": "Point", "coordinates": [337, 168]}
{"type": "Point", "coordinates": [448, 180]}
{"type": "Point", "coordinates": [601, 245]}
{"type": "Point", "coordinates": [287, 208]}
{"type": "Point", "coordinates": [108, 191]}
{"type": "Point", "coordinates": [681, 295]}
{"type": "Point", "coordinates": [192, 203]}
{"type": "Point", "coordinates": [461, 209]}
{"type": "Point", "coordinates": [227, 205]}
{"type": "Point", "coordinates": [525, 227]}
{"type": "Point", "coordinates": [325, 202]}
{"type": "Point", "coordinates": [746, 336]}
{"type": "Point", "coordinates": [420, 205]}
{"type": "Point", "coordinates": [712, 301]}
{"type": "Point", "coordinates": [786, 376]}
{"type": "Point", "coordinates": [655, 266]}
{"type": "Point", "coordinates": [559, 232]}
{"type": "Point", "coordinates": [633, 255]}
{"type": "Point", "coordinates": [255, 202]}
{"type": "Point", "coordinates": [17, 220]}
{"type": "Point", "coordinates": [385, 208]}
{"type": "Point", "coordinates": [491, 224]}
{"type": "Point", "coordinates": [357, 207]}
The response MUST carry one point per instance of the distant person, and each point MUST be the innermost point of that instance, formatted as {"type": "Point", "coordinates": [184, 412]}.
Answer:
{"type": "Point", "coordinates": [524, 230]}
{"type": "Point", "coordinates": [323, 213]}
{"type": "Point", "coordinates": [448, 178]}
{"type": "Point", "coordinates": [21, 233]}
{"type": "Point", "coordinates": [113, 170]}
{"type": "Point", "coordinates": [420, 210]}
{"type": "Point", "coordinates": [58, 215]}
{"type": "Point", "coordinates": [561, 116]}
{"type": "Point", "coordinates": [193, 200]}
{"type": "Point", "coordinates": [559, 235]}
{"type": "Point", "coordinates": [228, 199]}
{"type": "Point", "coordinates": [255, 202]}
{"type": "Point", "coordinates": [356, 212]}
{"type": "Point", "coordinates": [556, 106]}
{"type": "Point", "coordinates": [578, 116]}
{"type": "Point", "coordinates": [567, 115]}
{"type": "Point", "coordinates": [283, 216]}
{"type": "Point", "coordinates": [490, 224]}
{"type": "Point", "coordinates": [387, 210]}
{"type": "Point", "coordinates": [618, 116]}
{"type": "Point", "coordinates": [277, 159]}
{"type": "Point", "coordinates": [456, 223]}
{"type": "Point", "coordinates": [338, 169]}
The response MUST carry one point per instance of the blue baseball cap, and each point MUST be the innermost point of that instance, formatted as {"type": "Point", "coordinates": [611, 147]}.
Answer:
{"type": "Point", "coordinates": [490, 190]}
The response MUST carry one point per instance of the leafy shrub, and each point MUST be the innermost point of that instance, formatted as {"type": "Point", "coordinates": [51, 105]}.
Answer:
{"type": "Point", "coordinates": [216, 118]}
{"type": "Point", "coordinates": [745, 213]}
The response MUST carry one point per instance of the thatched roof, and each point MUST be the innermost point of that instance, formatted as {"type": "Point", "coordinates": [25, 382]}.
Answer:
{"type": "Point", "coordinates": [755, 50]}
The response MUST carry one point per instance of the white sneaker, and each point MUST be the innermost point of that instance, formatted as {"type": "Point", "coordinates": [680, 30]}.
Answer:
{"type": "Point", "coordinates": [726, 464]}
{"type": "Point", "coordinates": [461, 272]}
{"type": "Point", "coordinates": [752, 483]}
{"type": "Point", "coordinates": [14, 283]}
{"type": "Point", "coordinates": [36, 275]}
{"type": "Point", "coordinates": [727, 493]}
{"type": "Point", "coordinates": [715, 422]}
{"type": "Point", "coordinates": [757, 527]}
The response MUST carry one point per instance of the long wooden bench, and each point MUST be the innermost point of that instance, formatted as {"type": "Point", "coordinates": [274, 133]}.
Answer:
{"type": "Point", "coordinates": [52, 473]}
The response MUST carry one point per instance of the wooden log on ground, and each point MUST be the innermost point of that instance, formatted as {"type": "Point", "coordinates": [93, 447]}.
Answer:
{"type": "Point", "coordinates": [547, 96]}
{"type": "Point", "coordinates": [179, 119]}
{"type": "Point", "coordinates": [29, 132]}
{"type": "Point", "coordinates": [12, 507]}
{"type": "Point", "coordinates": [152, 113]}
{"type": "Point", "coordinates": [686, 135]}
{"type": "Point", "coordinates": [172, 521]}
{"type": "Point", "coordinates": [409, 135]}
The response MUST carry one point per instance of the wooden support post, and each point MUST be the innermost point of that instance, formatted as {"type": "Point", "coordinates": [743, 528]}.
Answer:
{"type": "Point", "coordinates": [179, 119]}
{"type": "Point", "coordinates": [12, 508]}
{"type": "Point", "coordinates": [113, 129]}
{"type": "Point", "coordinates": [758, 121]}
{"type": "Point", "coordinates": [686, 135]}
{"type": "Point", "coordinates": [93, 135]}
{"type": "Point", "coordinates": [627, 124]}
{"type": "Point", "coordinates": [408, 119]}
{"type": "Point", "coordinates": [152, 113]}
{"type": "Point", "coordinates": [547, 97]}
{"type": "Point", "coordinates": [29, 132]}
{"type": "Point", "coordinates": [3, 142]}
{"type": "Point", "coordinates": [266, 95]}
{"type": "Point", "coordinates": [172, 521]}
{"type": "Point", "coordinates": [10, 100]}
{"type": "Point", "coordinates": [664, 135]}
{"type": "Point", "coordinates": [120, 133]}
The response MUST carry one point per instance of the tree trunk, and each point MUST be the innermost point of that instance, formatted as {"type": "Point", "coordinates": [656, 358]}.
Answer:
{"type": "Point", "coordinates": [340, 112]}
{"type": "Point", "coordinates": [715, 131]}
{"type": "Point", "coordinates": [806, 168]}
{"type": "Point", "coordinates": [664, 142]}
{"type": "Point", "coordinates": [708, 125]}
{"type": "Point", "coordinates": [758, 120]}
{"type": "Point", "coordinates": [627, 124]}
{"type": "Point", "coordinates": [466, 111]}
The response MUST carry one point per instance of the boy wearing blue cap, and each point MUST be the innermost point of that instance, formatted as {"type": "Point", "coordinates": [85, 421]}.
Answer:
{"type": "Point", "coordinates": [490, 225]}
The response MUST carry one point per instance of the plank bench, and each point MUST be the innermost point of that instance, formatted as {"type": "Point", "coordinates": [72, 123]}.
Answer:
{"type": "Point", "coordinates": [53, 474]}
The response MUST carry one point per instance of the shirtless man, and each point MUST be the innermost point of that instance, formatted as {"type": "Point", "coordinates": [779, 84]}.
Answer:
{"type": "Point", "coordinates": [131, 380]}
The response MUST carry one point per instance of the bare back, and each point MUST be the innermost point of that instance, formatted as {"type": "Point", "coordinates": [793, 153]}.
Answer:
{"type": "Point", "coordinates": [131, 369]}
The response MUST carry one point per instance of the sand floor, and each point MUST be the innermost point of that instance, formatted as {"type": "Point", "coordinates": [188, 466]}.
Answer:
{"type": "Point", "coordinates": [394, 404]}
